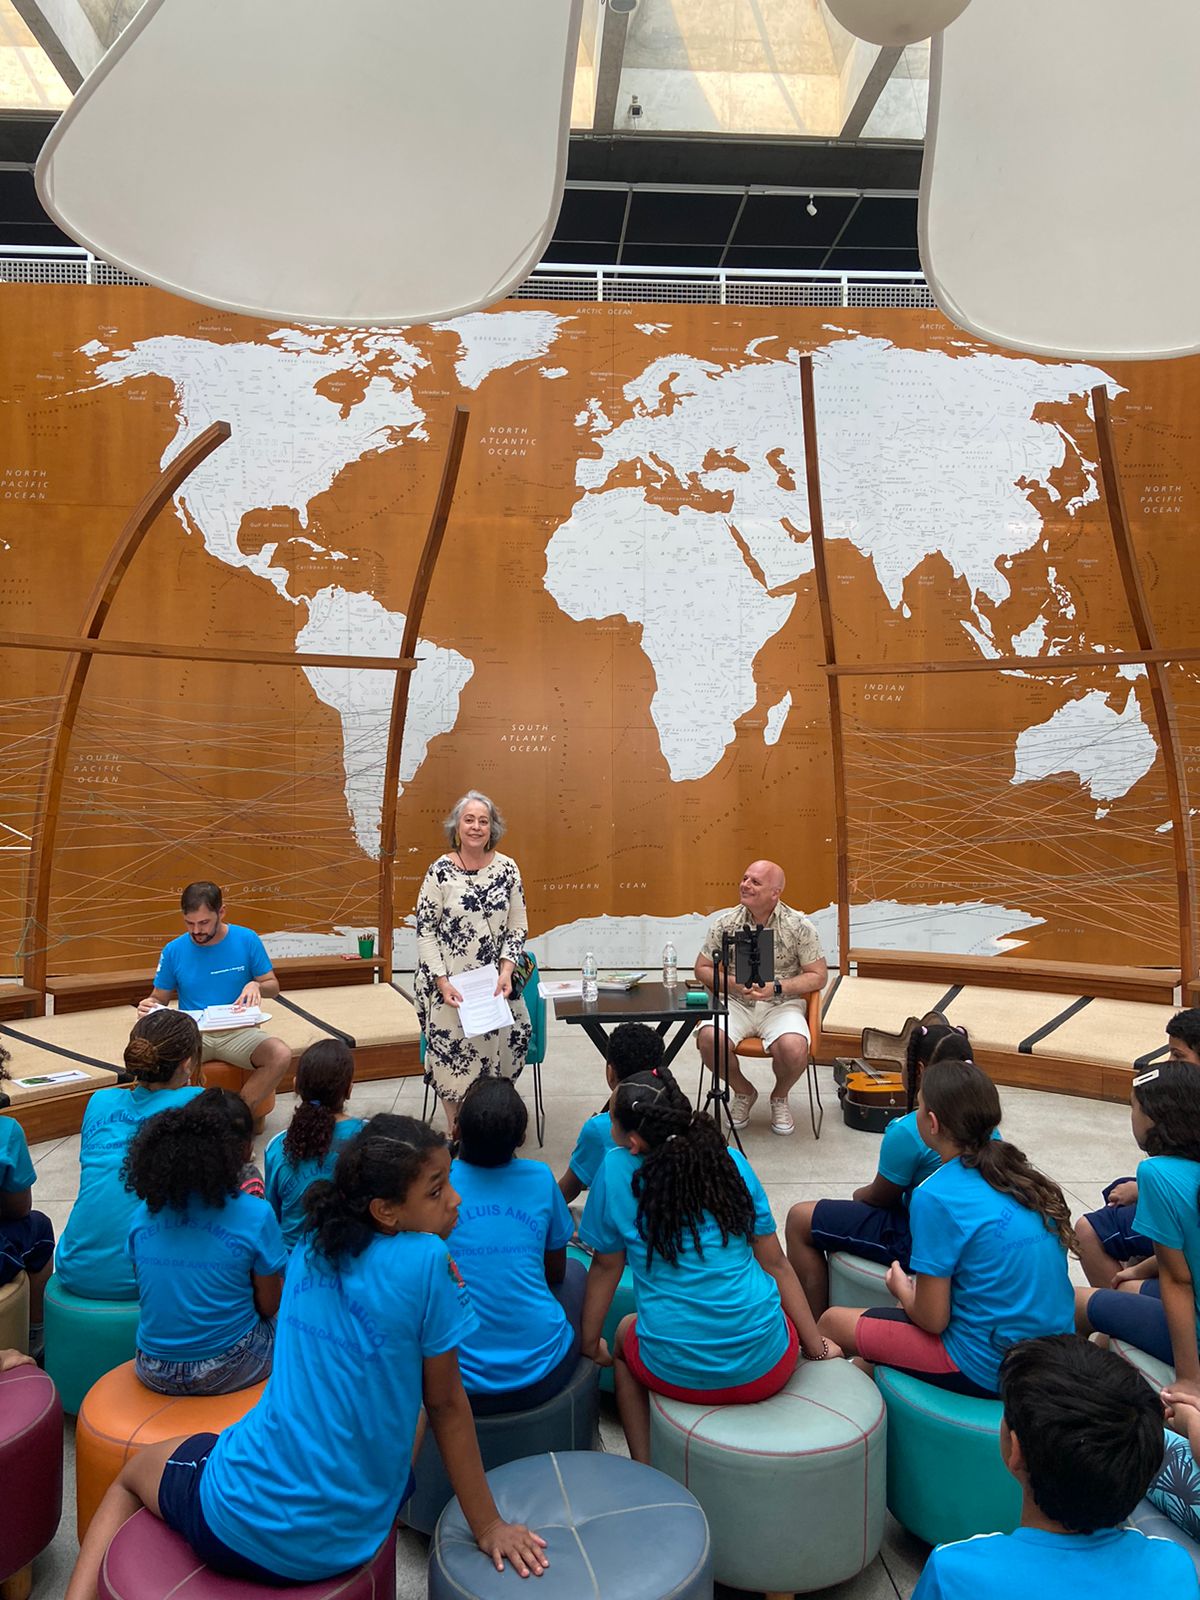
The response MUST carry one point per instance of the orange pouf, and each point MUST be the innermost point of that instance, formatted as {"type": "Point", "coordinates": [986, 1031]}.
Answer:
{"type": "Point", "coordinates": [120, 1416]}
{"type": "Point", "coordinates": [224, 1075]}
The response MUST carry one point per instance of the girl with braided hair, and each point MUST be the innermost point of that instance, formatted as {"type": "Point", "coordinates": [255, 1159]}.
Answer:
{"type": "Point", "coordinates": [161, 1056]}
{"type": "Point", "coordinates": [721, 1317]}
{"type": "Point", "coordinates": [1157, 1306]}
{"type": "Point", "coordinates": [873, 1223]}
{"type": "Point", "coordinates": [208, 1256]}
{"type": "Point", "coordinates": [320, 1129]}
{"type": "Point", "coordinates": [990, 1236]}
{"type": "Point", "coordinates": [308, 1483]}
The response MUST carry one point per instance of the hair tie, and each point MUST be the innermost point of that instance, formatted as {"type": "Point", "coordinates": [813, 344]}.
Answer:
{"type": "Point", "coordinates": [654, 1072]}
{"type": "Point", "coordinates": [313, 1101]}
{"type": "Point", "coordinates": [958, 1028]}
{"type": "Point", "coordinates": [923, 1030]}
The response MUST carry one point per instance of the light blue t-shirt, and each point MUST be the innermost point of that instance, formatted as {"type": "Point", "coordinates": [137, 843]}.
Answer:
{"type": "Point", "coordinates": [211, 974]}
{"type": "Point", "coordinates": [286, 1185]}
{"type": "Point", "coordinates": [1168, 1210]}
{"type": "Point", "coordinates": [193, 1270]}
{"type": "Point", "coordinates": [904, 1157]}
{"type": "Point", "coordinates": [1110, 1565]}
{"type": "Point", "coordinates": [593, 1144]}
{"type": "Point", "coordinates": [1008, 1270]}
{"type": "Point", "coordinates": [309, 1482]}
{"type": "Point", "coordinates": [508, 1218]}
{"type": "Point", "coordinates": [16, 1168]}
{"type": "Point", "coordinates": [91, 1259]}
{"type": "Point", "coordinates": [713, 1319]}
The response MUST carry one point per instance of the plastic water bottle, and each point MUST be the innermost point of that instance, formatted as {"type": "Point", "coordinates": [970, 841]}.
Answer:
{"type": "Point", "coordinates": [591, 988]}
{"type": "Point", "coordinates": [670, 965]}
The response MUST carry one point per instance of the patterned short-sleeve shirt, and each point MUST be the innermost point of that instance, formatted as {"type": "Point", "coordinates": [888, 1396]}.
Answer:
{"type": "Point", "coordinates": [797, 943]}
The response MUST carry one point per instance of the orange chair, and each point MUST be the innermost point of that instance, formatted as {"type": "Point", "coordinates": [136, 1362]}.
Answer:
{"type": "Point", "coordinates": [224, 1075]}
{"type": "Point", "coordinates": [120, 1416]}
{"type": "Point", "coordinates": [754, 1050]}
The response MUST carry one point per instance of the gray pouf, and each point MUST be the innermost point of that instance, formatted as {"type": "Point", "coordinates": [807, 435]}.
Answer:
{"type": "Point", "coordinates": [1155, 1524]}
{"type": "Point", "coordinates": [612, 1527]}
{"type": "Point", "coordinates": [568, 1421]}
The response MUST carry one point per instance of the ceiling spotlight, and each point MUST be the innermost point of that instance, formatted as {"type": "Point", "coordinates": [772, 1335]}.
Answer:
{"type": "Point", "coordinates": [811, 207]}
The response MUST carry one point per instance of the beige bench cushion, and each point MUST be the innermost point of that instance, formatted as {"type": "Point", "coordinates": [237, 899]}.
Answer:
{"type": "Point", "coordinates": [372, 1014]}
{"type": "Point", "coordinates": [998, 1019]}
{"type": "Point", "coordinates": [885, 1003]}
{"type": "Point", "coordinates": [100, 1035]}
{"type": "Point", "coordinates": [1111, 1033]}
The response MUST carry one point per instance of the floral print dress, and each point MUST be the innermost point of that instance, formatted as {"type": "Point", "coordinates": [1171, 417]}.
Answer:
{"type": "Point", "coordinates": [466, 919]}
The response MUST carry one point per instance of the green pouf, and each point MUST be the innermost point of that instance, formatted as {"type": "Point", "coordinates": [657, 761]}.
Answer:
{"type": "Point", "coordinates": [855, 1282]}
{"type": "Point", "coordinates": [945, 1478]}
{"type": "Point", "coordinates": [793, 1487]}
{"type": "Point", "coordinates": [622, 1306]}
{"type": "Point", "coordinates": [85, 1339]}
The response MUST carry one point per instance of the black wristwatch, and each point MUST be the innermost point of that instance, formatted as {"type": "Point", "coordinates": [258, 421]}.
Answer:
{"type": "Point", "coordinates": [778, 990]}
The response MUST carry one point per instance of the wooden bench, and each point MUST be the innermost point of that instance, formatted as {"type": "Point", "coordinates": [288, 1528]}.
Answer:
{"type": "Point", "coordinates": [1072, 1027]}
{"type": "Point", "coordinates": [84, 991]}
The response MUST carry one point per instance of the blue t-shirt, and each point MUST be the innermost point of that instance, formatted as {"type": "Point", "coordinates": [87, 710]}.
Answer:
{"type": "Point", "coordinates": [904, 1157]}
{"type": "Point", "coordinates": [1008, 1270]}
{"type": "Point", "coordinates": [286, 1185]}
{"type": "Point", "coordinates": [1168, 1210]}
{"type": "Point", "coordinates": [508, 1218]}
{"type": "Point", "coordinates": [309, 1482]}
{"type": "Point", "coordinates": [16, 1169]}
{"type": "Point", "coordinates": [713, 1319]}
{"type": "Point", "coordinates": [593, 1144]}
{"type": "Point", "coordinates": [211, 974]}
{"type": "Point", "coordinates": [1110, 1565]}
{"type": "Point", "coordinates": [193, 1271]}
{"type": "Point", "coordinates": [91, 1259]}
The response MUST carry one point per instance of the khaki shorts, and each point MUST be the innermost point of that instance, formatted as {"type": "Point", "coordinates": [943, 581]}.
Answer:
{"type": "Point", "coordinates": [235, 1045]}
{"type": "Point", "coordinates": [767, 1020]}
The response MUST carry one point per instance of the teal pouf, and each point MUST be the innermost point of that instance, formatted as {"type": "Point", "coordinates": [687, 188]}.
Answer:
{"type": "Point", "coordinates": [614, 1529]}
{"type": "Point", "coordinates": [794, 1487]}
{"type": "Point", "coordinates": [85, 1339]}
{"type": "Point", "coordinates": [854, 1282]}
{"type": "Point", "coordinates": [622, 1306]}
{"type": "Point", "coordinates": [945, 1478]}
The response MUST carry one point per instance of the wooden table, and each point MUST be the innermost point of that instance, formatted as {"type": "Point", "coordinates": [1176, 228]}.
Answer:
{"type": "Point", "coordinates": [649, 1002]}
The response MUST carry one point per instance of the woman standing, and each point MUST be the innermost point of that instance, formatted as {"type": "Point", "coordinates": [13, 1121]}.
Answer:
{"type": "Point", "coordinates": [471, 911]}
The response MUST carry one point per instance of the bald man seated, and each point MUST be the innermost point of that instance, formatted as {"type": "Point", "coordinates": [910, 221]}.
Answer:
{"type": "Point", "coordinates": [775, 1013]}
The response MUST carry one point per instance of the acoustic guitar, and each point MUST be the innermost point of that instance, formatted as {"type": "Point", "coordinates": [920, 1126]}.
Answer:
{"type": "Point", "coordinates": [871, 1096]}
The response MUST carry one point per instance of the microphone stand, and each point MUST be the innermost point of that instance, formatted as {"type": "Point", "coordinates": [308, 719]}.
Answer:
{"type": "Point", "coordinates": [717, 1098]}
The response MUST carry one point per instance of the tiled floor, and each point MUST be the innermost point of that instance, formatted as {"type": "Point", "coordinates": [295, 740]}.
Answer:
{"type": "Point", "coordinates": [1080, 1143]}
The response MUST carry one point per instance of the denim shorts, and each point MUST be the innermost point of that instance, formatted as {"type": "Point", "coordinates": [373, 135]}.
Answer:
{"type": "Point", "coordinates": [245, 1363]}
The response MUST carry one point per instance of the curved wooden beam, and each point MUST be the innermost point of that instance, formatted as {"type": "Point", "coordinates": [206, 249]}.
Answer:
{"type": "Point", "coordinates": [816, 518]}
{"type": "Point", "coordinates": [70, 693]}
{"type": "Point", "coordinates": [408, 645]}
{"type": "Point", "coordinates": [1161, 695]}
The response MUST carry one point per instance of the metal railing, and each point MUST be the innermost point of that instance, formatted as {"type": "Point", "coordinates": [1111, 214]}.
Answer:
{"type": "Point", "coordinates": [715, 286]}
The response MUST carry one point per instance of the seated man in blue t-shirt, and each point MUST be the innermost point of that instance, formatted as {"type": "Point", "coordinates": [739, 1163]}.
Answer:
{"type": "Point", "coordinates": [1083, 1436]}
{"type": "Point", "coordinates": [216, 963]}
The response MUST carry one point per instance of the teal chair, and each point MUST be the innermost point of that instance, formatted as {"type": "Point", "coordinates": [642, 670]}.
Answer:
{"type": "Point", "coordinates": [945, 1478]}
{"type": "Point", "coordinates": [622, 1306]}
{"type": "Point", "coordinates": [85, 1339]}
{"type": "Point", "coordinates": [535, 1002]}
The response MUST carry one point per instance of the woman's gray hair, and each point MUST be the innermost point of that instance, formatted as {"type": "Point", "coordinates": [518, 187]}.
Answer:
{"type": "Point", "coordinates": [498, 827]}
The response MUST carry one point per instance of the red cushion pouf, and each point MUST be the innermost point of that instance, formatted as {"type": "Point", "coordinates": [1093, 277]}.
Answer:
{"type": "Point", "coordinates": [31, 1468]}
{"type": "Point", "coordinates": [146, 1561]}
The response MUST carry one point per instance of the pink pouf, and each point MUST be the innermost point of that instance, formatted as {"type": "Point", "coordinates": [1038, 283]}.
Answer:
{"type": "Point", "coordinates": [146, 1561]}
{"type": "Point", "coordinates": [31, 1468]}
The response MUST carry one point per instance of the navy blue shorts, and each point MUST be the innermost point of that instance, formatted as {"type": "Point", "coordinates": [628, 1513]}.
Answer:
{"type": "Point", "coordinates": [873, 1233]}
{"type": "Point", "coordinates": [1114, 1229]}
{"type": "Point", "coordinates": [179, 1507]}
{"type": "Point", "coordinates": [1137, 1319]}
{"type": "Point", "coordinates": [26, 1244]}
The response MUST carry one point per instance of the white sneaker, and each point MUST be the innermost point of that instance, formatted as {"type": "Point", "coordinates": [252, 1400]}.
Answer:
{"type": "Point", "coordinates": [740, 1107]}
{"type": "Point", "coordinates": [782, 1120]}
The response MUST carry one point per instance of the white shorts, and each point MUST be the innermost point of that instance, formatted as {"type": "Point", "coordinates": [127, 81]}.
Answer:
{"type": "Point", "coordinates": [767, 1020]}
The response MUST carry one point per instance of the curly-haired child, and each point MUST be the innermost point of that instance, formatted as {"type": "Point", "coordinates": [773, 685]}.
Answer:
{"type": "Point", "coordinates": [207, 1256]}
{"type": "Point", "coordinates": [721, 1317]}
{"type": "Point", "coordinates": [632, 1047]}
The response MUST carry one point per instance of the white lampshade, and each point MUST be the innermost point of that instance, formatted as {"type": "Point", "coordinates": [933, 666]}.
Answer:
{"type": "Point", "coordinates": [375, 161]}
{"type": "Point", "coordinates": [896, 21]}
{"type": "Point", "coordinates": [1062, 145]}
